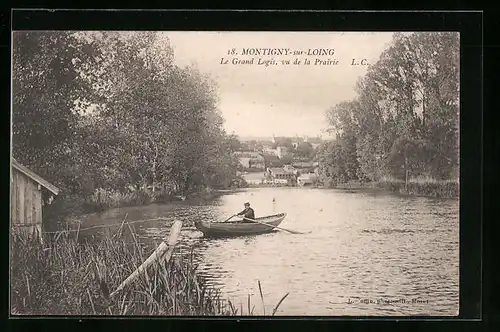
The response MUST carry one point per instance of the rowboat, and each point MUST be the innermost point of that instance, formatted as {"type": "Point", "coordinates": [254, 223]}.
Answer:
{"type": "Point", "coordinates": [228, 229]}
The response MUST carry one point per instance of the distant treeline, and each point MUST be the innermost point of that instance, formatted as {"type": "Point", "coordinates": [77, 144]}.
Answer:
{"type": "Point", "coordinates": [404, 123]}
{"type": "Point", "coordinates": [111, 111]}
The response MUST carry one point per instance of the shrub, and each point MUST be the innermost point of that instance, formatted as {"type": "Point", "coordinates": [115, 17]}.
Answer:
{"type": "Point", "coordinates": [72, 278]}
{"type": "Point", "coordinates": [422, 186]}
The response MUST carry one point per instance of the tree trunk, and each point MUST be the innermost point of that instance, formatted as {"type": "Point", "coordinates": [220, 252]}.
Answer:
{"type": "Point", "coordinates": [154, 166]}
{"type": "Point", "coordinates": [406, 173]}
{"type": "Point", "coordinates": [423, 110]}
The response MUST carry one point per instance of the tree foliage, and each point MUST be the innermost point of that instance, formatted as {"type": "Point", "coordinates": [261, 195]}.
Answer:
{"type": "Point", "coordinates": [111, 110]}
{"type": "Point", "coordinates": [304, 150]}
{"type": "Point", "coordinates": [404, 120]}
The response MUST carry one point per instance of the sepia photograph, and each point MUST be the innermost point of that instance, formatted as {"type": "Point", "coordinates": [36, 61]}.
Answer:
{"type": "Point", "coordinates": [231, 173]}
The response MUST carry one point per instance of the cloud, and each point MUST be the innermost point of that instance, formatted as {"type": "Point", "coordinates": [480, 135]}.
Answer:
{"type": "Point", "coordinates": [257, 100]}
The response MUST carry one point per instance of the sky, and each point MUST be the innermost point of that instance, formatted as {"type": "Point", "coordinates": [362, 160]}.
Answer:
{"type": "Point", "coordinates": [281, 100]}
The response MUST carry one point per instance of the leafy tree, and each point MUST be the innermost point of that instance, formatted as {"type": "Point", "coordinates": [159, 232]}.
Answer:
{"type": "Point", "coordinates": [404, 120]}
{"type": "Point", "coordinates": [111, 110]}
{"type": "Point", "coordinates": [47, 89]}
{"type": "Point", "coordinates": [166, 124]}
{"type": "Point", "coordinates": [305, 149]}
{"type": "Point", "coordinates": [235, 144]}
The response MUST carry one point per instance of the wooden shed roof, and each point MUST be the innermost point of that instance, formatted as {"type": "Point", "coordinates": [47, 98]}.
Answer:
{"type": "Point", "coordinates": [35, 177]}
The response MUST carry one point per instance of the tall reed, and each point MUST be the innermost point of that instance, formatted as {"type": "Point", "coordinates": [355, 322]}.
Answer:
{"type": "Point", "coordinates": [72, 278]}
{"type": "Point", "coordinates": [103, 199]}
{"type": "Point", "coordinates": [422, 186]}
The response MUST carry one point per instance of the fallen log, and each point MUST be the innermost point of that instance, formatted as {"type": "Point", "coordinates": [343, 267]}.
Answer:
{"type": "Point", "coordinates": [163, 252]}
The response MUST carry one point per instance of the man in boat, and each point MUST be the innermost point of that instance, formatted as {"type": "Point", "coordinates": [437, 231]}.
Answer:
{"type": "Point", "coordinates": [248, 212]}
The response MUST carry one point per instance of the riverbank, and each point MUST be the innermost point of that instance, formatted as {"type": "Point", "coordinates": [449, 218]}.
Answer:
{"type": "Point", "coordinates": [415, 187]}
{"type": "Point", "coordinates": [66, 277]}
{"type": "Point", "coordinates": [66, 208]}
{"type": "Point", "coordinates": [426, 187]}
{"type": "Point", "coordinates": [103, 200]}
{"type": "Point", "coordinates": [422, 187]}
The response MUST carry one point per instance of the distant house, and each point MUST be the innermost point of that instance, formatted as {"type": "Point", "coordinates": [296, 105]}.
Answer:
{"type": "Point", "coordinates": [254, 178]}
{"type": "Point", "coordinates": [291, 169]}
{"type": "Point", "coordinates": [315, 141]}
{"type": "Point", "coordinates": [303, 164]}
{"type": "Point", "coordinates": [257, 161]}
{"type": "Point", "coordinates": [269, 150]}
{"type": "Point", "coordinates": [280, 175]}
{"type": "Point", "coordinates": [278, 151]}
{"type": "Point", "coordinates": [281, 151]}
{"type": "Point", "coordinates": [245, 162]}
{"type": "Point", "coordinates": [266, 144]}
{"type": "Point", "coordinates": [251, 159]}
{"type": "Point", "coordinates": [301, 159]}
{"type": "Point", "coordinates": [306, 179]}
{"type": "Point", "coordinates": [257, 164]}
{"type": "Point", "coordinates": [296, 141]}
{"type": "Point", "coordinates": [28, 193]}
{"type": "Point", "coordinates": [272, 161]}
{"type": "Point", "coordinates": [248, 154]}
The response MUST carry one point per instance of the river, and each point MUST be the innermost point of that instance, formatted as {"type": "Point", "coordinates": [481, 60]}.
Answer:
{"type": "Point", "coordinates": [367, 253]}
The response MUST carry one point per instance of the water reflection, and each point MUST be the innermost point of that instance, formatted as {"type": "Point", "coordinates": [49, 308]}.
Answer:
{"type": "Point", "coordinates": [362, 245]}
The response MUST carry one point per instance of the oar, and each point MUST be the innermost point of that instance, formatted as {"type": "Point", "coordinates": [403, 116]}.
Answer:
{"type": "Point", "coordinates": [229, 218]}
{"type": "Point", "coordinates": [284, 229]}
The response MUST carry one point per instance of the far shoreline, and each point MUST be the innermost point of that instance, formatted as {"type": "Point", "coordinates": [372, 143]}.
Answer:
{"type": "Point", "coordinates": [212, 194]}
{"type": "Point", "coordinates": [371, 186]}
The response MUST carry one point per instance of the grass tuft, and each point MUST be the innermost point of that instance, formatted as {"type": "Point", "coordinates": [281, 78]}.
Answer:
{"type": "Point", "coordinates": [67, 277]}
{"type": "Point", "coordinates": [422, 186]}
{"type": "Point", "coordinates": [103, 199]}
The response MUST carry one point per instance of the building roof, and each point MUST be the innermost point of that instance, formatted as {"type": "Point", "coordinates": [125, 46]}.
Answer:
{"type": "Point", "coordinates": [244, 160]}
{"type": "Point", "coordinates": [248, 154]}
{"type": "Point", "coordinates": [278, 170]}
{"type": "Point", "coordinates": [35, 177]}
{"type": "Point", "coordinates": [271, 157]}
{"type": "Point", "coordinates": [253, 176]}
{"type": "Point", "coordinates": [303, 164]}
{"type": "Point", "coordinates": [307, 176]}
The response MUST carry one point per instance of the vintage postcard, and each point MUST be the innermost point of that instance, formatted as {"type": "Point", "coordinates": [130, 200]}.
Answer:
{"type": "Point", "coordinates": [274, 173]}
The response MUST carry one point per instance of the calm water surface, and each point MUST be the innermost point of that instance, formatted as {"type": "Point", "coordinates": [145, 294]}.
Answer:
{"type": "Point", "coordinates": [367, 254]}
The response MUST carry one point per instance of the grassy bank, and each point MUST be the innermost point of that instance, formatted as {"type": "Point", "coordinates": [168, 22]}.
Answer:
{"type": "Point", "coordinates": [67, 206]}
{"type": "Point", "coordinates": [427, 187]}
{"type": "Point", "coordinates": [66, 277]}
{"type": "Point", "coordinates": [421, 187]}
{"type": "Point", "coordinates": [354, 185]}
{"type": "Point", "coordinates": [101, 200]}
